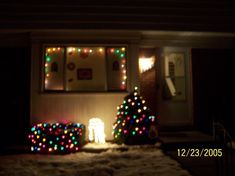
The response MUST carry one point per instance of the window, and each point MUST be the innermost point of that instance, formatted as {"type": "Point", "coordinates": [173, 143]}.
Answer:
{"type": "Point", "coordinates": [82, 68]}
{"type": "Point", "coordinates": [175, 75]}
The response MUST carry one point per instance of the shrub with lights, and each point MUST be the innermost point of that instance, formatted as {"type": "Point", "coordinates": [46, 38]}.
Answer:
{"type": "Point", "coordinates": [134, 122]}
{"type": "Point", "coordinates": [56, 138]}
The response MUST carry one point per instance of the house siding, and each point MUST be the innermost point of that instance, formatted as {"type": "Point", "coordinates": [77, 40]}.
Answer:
{"type": "Point", "coordinates": [76, 107]}
{"type": "Point", "coordinates": [183, 15]}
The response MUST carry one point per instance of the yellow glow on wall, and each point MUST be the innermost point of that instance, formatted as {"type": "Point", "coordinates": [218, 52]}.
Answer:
{"type": "Point", "coordinates": [96, 130]}
{"type": "Point", "coordinates": [146, 64]}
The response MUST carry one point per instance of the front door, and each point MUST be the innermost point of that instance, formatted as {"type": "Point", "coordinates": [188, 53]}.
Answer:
{"type": "Point", "coordinates": [165, 82]}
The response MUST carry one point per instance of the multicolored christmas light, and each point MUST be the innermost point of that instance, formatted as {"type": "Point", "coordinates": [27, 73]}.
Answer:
{"type": "Point", "coordinates": [54, 56]}
{"type": "Point", "coordinates": [50, 54]}
{"type": "Point", "coordinates": [57, 137]}
{"type": "Point", "coordinates": [134, 122]}
{"type": "Point", "coordinates": [87, 50]}
{"type": "Point", "coordinates": [121, 54]}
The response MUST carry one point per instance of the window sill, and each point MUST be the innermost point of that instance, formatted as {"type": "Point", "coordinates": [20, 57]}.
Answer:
{"type": "Point", "coordinates": [82, 92]}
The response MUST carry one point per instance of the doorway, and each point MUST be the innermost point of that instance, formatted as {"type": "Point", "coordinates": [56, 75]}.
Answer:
{"type": "Point", "coordinates": [165, 82]}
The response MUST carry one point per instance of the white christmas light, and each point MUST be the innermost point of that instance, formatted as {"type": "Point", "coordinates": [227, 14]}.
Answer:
{"type": "Point", "coordinates": [100, 50]}
{"type": "Point", "coordinates": [96, 130]}
{"type": "Point", "coordinates": [70, 49]}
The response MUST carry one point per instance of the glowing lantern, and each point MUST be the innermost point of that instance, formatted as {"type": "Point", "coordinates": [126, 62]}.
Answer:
{"type": "Point", "coordinates": [96, 130]}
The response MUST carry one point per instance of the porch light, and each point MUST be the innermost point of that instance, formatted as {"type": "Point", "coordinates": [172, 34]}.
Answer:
{"type": "Point", "coordinates": [96, 130]}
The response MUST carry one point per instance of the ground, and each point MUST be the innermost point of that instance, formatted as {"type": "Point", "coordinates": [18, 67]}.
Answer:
{"type": "Point", "coordinates": [110, 160]}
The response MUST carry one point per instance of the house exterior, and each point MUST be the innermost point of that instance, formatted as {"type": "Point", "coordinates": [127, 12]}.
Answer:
{"type": "Point", "coordinates": [87, 56]}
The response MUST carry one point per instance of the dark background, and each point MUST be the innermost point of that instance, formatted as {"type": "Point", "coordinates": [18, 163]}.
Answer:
{"type": "Point", "coordinates": [15, 95]}
{"type": "Point", "coordinates": [213, 89]}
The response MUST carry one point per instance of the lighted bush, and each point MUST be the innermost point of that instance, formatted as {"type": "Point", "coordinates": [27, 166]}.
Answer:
{"type": "Point", "coordinates": [57, 137]}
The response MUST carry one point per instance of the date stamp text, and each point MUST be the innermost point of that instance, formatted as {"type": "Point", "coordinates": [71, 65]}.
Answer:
{"type": "Point", "coordinates": [202, 152]}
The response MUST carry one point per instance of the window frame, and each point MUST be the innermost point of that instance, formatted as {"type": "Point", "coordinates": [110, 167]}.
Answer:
{"type": "Point", "coordinates": [65, 46]}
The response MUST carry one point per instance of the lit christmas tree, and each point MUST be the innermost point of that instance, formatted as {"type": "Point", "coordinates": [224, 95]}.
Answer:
{"type": "Point", "coordinates": [134, 122]}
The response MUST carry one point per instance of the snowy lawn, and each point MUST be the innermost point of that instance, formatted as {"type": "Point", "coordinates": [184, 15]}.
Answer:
{"type": "Point", "coordinates": [116, 161]}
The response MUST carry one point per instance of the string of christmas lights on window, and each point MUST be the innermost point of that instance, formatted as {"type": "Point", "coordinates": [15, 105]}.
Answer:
{"type": "Point", "coordinates": [134, 122]}
{"type": "Point", "coordinates": [72, 50]}
{"type": "Point", "coordinates": [56, 138]}
{"type": "Point", "coordinates": [48, 67]}
{"type": "Point", "coordinates": [54, 57]}
{"type": "Point", "coordinates": [121, 53]}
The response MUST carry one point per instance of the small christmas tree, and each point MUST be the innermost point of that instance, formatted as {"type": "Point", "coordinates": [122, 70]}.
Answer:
{"type": "Point", "coordinates": [134, 122]}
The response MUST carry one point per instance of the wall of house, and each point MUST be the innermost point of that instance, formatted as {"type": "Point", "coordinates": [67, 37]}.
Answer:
{"type": "Point", "coordinates": [80, 107]}
{"type": "Point", "coordinates": [76, 107]}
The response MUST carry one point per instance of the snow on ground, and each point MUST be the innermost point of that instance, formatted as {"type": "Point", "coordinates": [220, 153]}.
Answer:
{"type": "Point", "coordinates": [125, 161]}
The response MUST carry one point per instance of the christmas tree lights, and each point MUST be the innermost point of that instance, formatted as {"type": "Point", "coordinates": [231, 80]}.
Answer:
{"type": "Point", "coordinates": [56, 138]}
{"type": "Point", "coordinates": [134, 122]}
